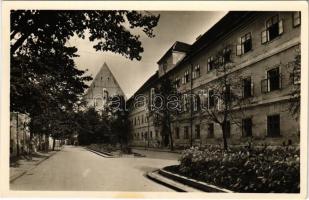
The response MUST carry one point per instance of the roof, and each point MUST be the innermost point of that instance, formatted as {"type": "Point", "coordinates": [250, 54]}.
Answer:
{"type": "Point", "coordinates": [228, 23]}
{"type": "Point", "coordinates": [177, 46]}
{"type": "Point", "coordinates": [151, 80]}
{"type": "Point", "coordinates": [104, 66]}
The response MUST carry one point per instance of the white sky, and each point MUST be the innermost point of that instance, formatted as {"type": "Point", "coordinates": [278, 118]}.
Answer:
{"type": "Point", "coordinates": [173, 26]}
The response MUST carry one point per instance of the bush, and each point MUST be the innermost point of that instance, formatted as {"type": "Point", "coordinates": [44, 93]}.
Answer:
{"type": "Point", "coordinates": [265, 169]}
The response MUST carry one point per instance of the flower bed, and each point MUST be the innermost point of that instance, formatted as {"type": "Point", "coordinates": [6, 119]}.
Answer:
{"type": "Point", "coordinates": [274, 170]}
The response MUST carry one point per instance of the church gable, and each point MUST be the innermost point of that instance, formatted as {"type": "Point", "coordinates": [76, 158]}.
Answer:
{"type": "Point", "coordinates": [103, 86]}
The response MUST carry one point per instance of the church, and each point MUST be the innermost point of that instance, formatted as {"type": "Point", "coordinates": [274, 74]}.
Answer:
{"type": "Point", "coordinates": [103, 86]}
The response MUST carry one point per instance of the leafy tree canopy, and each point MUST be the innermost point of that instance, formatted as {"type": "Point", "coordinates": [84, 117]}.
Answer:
{"type": "Point", "coordinates": [43, 71]}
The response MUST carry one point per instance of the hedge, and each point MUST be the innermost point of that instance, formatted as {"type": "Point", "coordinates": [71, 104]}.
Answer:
{"type": "Point", "coordinates": [267, 169]}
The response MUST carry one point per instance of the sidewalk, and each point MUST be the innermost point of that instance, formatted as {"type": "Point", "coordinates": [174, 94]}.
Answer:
{"type": "Point", "coordinates": [23, 165]}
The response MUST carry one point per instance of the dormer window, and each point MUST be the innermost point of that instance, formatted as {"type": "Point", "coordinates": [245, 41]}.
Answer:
{"type": "Point", "coordinates": [274, 28]}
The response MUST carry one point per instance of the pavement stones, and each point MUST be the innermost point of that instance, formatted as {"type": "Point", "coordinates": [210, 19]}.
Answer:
{"type": "Point", "coordinates": [22, 166]}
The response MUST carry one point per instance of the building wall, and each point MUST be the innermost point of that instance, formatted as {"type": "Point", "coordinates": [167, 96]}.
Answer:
{"type": "Point", "coordinates": [103, 86]}
{"type": "Point", "coordinates": [255, 63]}
{"type": "Point", "coordinates": [19, 134]}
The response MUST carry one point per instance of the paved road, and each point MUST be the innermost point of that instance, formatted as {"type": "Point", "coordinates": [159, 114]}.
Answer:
{"type": "Point", "coordinates": [76, 169]}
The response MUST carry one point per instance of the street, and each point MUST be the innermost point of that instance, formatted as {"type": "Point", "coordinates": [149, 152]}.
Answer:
{"type": "Point", "coordinates": [77, 169]}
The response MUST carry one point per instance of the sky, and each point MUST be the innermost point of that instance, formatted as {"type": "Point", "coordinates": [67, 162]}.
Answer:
{"type": "Point", "coordinates": [184, 26]}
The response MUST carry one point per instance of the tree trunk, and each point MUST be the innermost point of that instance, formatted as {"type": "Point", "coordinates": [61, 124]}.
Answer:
{"type": "Point", "coordinates": [171, 139]}
{"type": "Point", "coordinates": [40, 143]}
{"type": "Point", "coordinates": [30, 143]}
{"type": "Point", "coordinates": [54, 143]}
{"type": "Point", "coordinates": [223, 127]}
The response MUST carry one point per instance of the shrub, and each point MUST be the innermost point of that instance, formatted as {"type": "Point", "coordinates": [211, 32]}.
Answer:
{"type": "Point", "coordinates": [266, 169]}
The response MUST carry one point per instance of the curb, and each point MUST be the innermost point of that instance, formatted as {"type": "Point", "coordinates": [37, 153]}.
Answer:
{"type": "Point", "coordinates": [156, 150]}
{"type": "Point", "coordinates": [31, 168]}
{"type": "Point", "coordinates": [205, 187]}
{"type": "Point", "coordinates": [179, 187]}
{"type": "Point", "coordinates": [106, 155]}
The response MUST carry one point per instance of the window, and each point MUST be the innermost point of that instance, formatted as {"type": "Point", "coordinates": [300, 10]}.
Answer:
{"type": "Point", "coordinates": [245, 44]}
{"type": "Point", "coordinates": [142, 119]}
{"type": "Point", "coordinates": [196, 102]}
{"type": "Point", "coordinates": [185, 102]}
{"type": "Point", "coordinates": [186, 77]}
{"type": "Point", "coordinates": [274, 28]}
{"type": "Point", "coordinates": [273, 125]}
{"type": "Point", "coordinates": [157, 136]}
{"type": "Point", "coordinates": [210, 130]}
{"type": "Point", "coordinates": [210, 63]}
{"type": "Point", "coordinates": [146, 135]}
{"type": "Point", "coordinates": [226, 55]}
{"type": "Point", "coordinates": [134, 120]}
{"type": "Point", "coordinates": [186, 132]}
{"type": "Point", "coordinates": [273, 77]}
{"type": "Point", "coordinates": [211, 99]}
{"type": "Point", "coordinates": [296, 18]}
{"type": "Point", "coordinates": [177, 82]}
{"type": "Point", "coordinates": [197, 131]}
{"type": "Point", "coordinates": [138, 122]}
{"type": "Point", "coordinates": [150, 134]}
{"type": "Point", "coordinates": [272, 82]}
{"type": "Point", "coordinates": [196, 72]}
{"type": "Point", "coordinates": [247, 86]}
{"type": "Point", "coordinates": [247, 127]}
{"type": "Point", "coordinates": [177, 132]}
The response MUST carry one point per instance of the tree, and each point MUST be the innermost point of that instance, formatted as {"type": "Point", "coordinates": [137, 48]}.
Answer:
{"type": "Point", "coordinates": [165, 108]}
{"type": "Point", "coordinates": [107, 28]}
{"type": "Point", "coordinates": [39, 52]}
{"type": "Point", "coordinates": [120, 124]}
{"type": "Point", "coordinates": [295, 65]}
{"type": "Point", "coordinates": [43, 73]}
{"type": "Point", "coordinates": [224, 100]}
{"type": "Point", "coordinates": [91, 127]}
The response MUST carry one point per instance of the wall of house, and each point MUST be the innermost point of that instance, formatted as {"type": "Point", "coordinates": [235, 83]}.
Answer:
{"type": "Point", "coordinates": [255, 63]}
{"type": "Point", "coordinates": [19, 134]}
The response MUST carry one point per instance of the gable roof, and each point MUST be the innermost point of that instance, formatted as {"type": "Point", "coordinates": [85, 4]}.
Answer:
{"type": "Point", "coordinates": [177, 46]}
{"type": "Point", "coordinates": [103, 68]}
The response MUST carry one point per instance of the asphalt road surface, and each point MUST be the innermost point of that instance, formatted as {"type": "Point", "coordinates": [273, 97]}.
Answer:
{"type": "Point", "coordinates": [77, 169]}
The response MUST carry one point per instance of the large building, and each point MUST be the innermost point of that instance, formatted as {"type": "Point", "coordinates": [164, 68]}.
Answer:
{"type": "Point", "coordinates": [260, 47]}
{"type": "Point", "coordinates": [103, 86]}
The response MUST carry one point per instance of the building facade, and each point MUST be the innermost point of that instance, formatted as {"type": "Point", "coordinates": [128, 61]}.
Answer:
{"type": "Point", "coordinates": [103, 86]}
{"type": "Point", "coordinates": [260, 47]}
